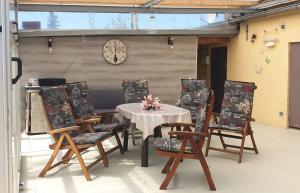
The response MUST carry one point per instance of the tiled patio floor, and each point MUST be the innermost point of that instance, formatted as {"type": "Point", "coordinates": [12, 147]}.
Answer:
{"type": "Point", "coordinates": [275, 170]}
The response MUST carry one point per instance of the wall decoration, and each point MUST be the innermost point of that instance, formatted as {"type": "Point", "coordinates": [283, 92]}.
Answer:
{"type": "Point", "coordinates": [258, 69]}
{"type": "Point", "coordinates": [114, 51]}
{"type": "Point", "coordinates": [270, 38]}
{"type": "Point", "coordinates": [267, 60]}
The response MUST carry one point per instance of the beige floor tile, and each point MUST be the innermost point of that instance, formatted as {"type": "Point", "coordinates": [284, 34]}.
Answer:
{"type": "Point", "coordinates": [276, 169]}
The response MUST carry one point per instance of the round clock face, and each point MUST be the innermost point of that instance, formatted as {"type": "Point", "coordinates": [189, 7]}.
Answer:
{"type": "Point", "coordinates": [114, 51]}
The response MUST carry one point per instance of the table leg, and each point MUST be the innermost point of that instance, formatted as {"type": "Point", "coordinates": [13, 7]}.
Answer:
{"type": "Point", "coordinates": [144, 153]}
{"type": "Point", "coordinates": [125, 139]}
{"type": "Point", "coordinates": [157, 131]}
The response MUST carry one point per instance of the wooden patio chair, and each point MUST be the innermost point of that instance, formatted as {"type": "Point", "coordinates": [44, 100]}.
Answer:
{"type": "Point", "coordinates": [190, 98]}
{"type": "Point", "coordinates": [67, 134]}
{"type": "Point", "coordinates": [84, 109]}
{"type": "Point", "coordinates": [135, 91]}
{"type": "Point", "coordinates": [234, 119]}
{"type": "Point", "coordinates": [188, 144]}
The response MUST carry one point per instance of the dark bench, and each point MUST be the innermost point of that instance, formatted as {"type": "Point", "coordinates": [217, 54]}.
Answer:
{"type": "Point", "coordinates": [106, 101]}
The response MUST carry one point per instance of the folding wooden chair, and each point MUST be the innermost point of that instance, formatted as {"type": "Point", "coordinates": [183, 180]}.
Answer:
{"type": "Point", "coordinates": [234, 119]}
{"type": "Point", "coordinates": [67, 134]}
{"type": "Point", "coordinates": [189, 143]}
{"type": "Point", "coordinates": [134, 91]}
{"type": "Point", "coordinates": [190, 97]}
{"type": "Point", "coordinates": [84, 109]}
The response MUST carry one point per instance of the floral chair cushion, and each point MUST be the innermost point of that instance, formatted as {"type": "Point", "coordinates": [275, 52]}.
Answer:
{"type": "Point", "coordinates": [174, 144]}
{"type": "Point", "coordinates": [80, 100]}
{"type": "Point", "coordinates": [192, 95]}
{"type": "Point", "coordinates": [170, 144]}
{"type": "Point", "coordinates": [135, 90]}
{"type": "Point", "coordinates": [115, 126]}
{"type": "Point", "coordinates": [84, 107]}
{"type": "Point", "coordinates": [237, 104]}
{"type": "Point", "coordinates": [57, 108]}
{"type": "Point", "coordinates": [90, 138]}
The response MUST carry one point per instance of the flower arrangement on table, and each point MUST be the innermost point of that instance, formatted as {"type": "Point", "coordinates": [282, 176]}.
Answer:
{"type": "Point", "coordinates": [150, 103]}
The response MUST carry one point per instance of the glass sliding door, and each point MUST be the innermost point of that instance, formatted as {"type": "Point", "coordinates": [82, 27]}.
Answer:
{"type": "Point", "coordinates": [10, 72]}
{"type": "Point", "coordinates": [16, 71]}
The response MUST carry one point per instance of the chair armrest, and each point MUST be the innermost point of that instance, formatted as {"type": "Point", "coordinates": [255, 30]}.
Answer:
{"type": "Point", "coordinates": [251, 119]}
{"type": "Point", "coordinates": [181, 124]}
{"type": "Point", "coordinates": [215, 114]}
{"type": "Point", "coordinates": [108, 113]}
{"type": "Point", "coordinates": [107, 116]}
{"type": "Point", "coordinates": [91, 120]}
{"type": "Point", "coordinates": [187, 133]}
{"type": "Point", "coordinates": [66, 129]}
{"type": "Point", "coordinates": [95, 117]}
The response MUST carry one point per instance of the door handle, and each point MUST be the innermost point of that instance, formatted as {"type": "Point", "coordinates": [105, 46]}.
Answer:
{"type": "Point", "coordinates": [19, 62]}
{"type": "Point", "coordinates": [16, 33]}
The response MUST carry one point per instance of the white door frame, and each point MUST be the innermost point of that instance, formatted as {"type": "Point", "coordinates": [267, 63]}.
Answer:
{"type": "Point", "coordinates": [5, 101]}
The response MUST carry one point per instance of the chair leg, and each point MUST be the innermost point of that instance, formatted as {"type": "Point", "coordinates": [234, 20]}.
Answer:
{"type": "Point", "coordinates": [242, 149]}
{"type": "Point", "coordinates": [204, 165]}
{"type": "Point", "coordinates": [68, 156]}
{"type": "Point", "coordinates": [222, 139]}
{"type": "Point", "coordinates": [54, 154]}
{"type": "Point", "coordinates": [170, 174]}
{"type": "Point", "coordinates": [174, 166]}
{"type": "Point", "coordinates": [81, 162]}
{"type": "Point", "coordinates": [208, 143]}
{"type": "Point", "coordinates": [207, 172]}
{"type": "Point", "coordinates": [253, 142]}
{"type": "Point", "coordinates": [102, 154]}
{"type": "Point", "coordinates": [119, 143]}
{"type": "Point", "coordinates": [125, 140]}
{"type": "Point", "coordinates": [166, 169]}
{"type": "Point", "coordinates": [132, 132]}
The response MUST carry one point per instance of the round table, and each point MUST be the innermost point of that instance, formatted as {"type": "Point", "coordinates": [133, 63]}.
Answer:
{"type": "Point", "coordinates": [148, 120]}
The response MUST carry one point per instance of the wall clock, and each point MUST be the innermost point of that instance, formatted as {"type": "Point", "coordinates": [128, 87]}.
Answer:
{"type": "Point", "coordinates": [114, 51]}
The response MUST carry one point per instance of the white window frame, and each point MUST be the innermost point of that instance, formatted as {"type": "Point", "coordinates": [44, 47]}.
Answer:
{"type": "Point", "coordinates": [5, 101]}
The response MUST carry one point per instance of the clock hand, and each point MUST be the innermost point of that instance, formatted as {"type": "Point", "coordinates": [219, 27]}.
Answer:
{"type": "Point", "coordinates": [115, 57]}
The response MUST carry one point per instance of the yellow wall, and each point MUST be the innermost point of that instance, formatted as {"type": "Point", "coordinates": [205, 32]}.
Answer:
{"type": "Point", "coordinates": [245, 58]}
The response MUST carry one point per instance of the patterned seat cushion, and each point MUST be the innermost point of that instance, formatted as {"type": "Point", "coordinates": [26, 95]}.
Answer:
{"type": "Point", "coordinates": [80, 100]}
{"type": "Point", "coordinates": [108, 127]}
{"type": "Point", "coordinates": [193, 93]}
{"type": "Point", "coordinates": [226, 127]}
{"type": "Point", "coordinates": [195, 97]}
{"type": "Point", "coordinates": [90, 138]}
{"type": "Point", "coordinates": [135, 90]}
{"type": "Point", "coordinates": [84, 107]}
{"type": "Point", "coordinates": [171, 144]}
{"type": "Point", "coordinates": [57, 109]}
{"type": "Point", "coordinates": [237, 104]}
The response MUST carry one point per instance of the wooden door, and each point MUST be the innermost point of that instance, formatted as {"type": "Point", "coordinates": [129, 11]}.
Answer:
{"type": "Point", "coordinates": [294, 85]}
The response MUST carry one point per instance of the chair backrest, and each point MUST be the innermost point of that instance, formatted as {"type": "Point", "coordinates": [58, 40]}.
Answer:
{"type": "Point", "coordinates": [135, 90]}
{"type": "Point", "coordinates": [192, 95]}
{"type": "Point", "coordinates": [237, 103]}
{"type": "Point", "coordinates": [57, 109]}
{"type": "Point", "coordinates": [80, 100]}
{"type": "Point", "coordinates": [205, 98]}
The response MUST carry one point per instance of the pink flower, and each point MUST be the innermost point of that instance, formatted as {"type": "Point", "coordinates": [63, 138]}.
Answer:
{"type": "Point", "coordinates": [151, 103]}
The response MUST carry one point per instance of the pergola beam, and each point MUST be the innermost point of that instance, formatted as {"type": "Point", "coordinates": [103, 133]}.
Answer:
{"type": "Point", "coordinates": [121, 9]}
{"type": "Point", "coordinates": [222, 31]}
{"type": "Point", "coordinates": [151, 3]}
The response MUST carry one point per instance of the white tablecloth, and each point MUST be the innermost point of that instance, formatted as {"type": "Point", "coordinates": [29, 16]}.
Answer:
{"type": "Point", "coordinates": [146, 120]}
